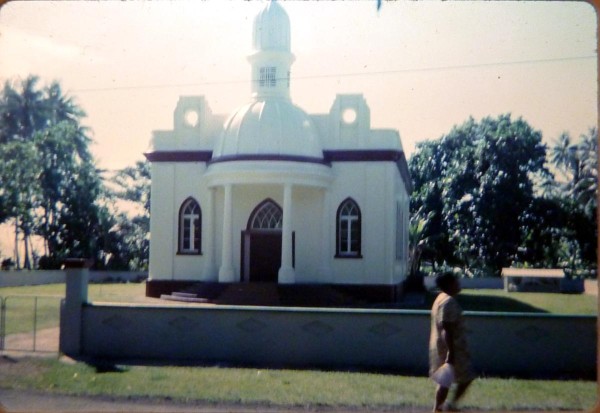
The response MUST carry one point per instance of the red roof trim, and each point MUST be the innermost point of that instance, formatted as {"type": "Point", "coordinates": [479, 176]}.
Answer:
{"type": "Point", "coordinates": [268, 157]}
{"type": "Point", "coordinates": [329, 156]}
{"type": "Point", "coordinates": [179, 156]}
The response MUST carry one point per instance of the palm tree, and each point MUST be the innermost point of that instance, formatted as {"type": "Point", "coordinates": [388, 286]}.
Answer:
{"type": "Point", "coordinates": [27, 111]}
{"type": "Point", "coordinates": [22, 110]}
{"type": "Point", "coordinates": [419, 241]}
{"type": "Point", "coordinates": [565, 157]}
{"type": "Point", "coordinates": [586, 189]}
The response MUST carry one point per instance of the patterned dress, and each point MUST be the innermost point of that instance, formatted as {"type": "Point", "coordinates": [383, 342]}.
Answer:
{"type": "Point", "coordinates": [446, 309]}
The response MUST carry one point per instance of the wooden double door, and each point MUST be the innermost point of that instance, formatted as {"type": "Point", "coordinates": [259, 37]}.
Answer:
{"type": "Point", "coordinates": [261, 255]}
{"type": "Point", "coordinates": [261, 244]}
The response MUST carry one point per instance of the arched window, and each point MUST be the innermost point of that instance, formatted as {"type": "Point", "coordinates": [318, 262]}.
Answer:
{"type": "Point", "coordinates": [190, 227]}
{"type": "Point", "coordinates": [267, 216]}
{"type": "Point", "coordinates": [348, 230]}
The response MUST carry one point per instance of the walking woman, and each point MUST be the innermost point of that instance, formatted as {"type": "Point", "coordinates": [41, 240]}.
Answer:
{"type": "Point", "coordinates": [448, 344]}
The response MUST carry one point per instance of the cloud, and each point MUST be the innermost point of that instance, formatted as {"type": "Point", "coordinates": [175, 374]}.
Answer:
{"type": "Point", "coordinates": [23, 52]}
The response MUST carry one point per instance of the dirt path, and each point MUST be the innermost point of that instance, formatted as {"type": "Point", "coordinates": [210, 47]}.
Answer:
{"type": "Point", "coordinates": [46, 340]}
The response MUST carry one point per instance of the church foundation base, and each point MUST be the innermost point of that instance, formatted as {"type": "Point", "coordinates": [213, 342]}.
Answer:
{"type": "Point", "coordinates": [291, 295]}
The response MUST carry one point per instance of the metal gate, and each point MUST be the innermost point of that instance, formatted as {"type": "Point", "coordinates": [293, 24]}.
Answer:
{"type": "Point", "coordinates": [30, 323]}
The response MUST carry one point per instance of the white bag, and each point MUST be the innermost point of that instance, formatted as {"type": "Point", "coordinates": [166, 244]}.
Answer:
{"type": "Point", "coordinates": [444, 376]}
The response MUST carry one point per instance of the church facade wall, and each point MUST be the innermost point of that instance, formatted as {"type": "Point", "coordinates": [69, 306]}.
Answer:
{"type": "Point", "coordinates": [162, 221]}
{"type": "Point", "coordinates": [306, 224]}
{"type": "Point", "coordinates": [172, 184]}
{"type": "Point", "coordinates": [188, 183]}
{"type": "Point", "coordinates": [376, 187]}
{"type": "Point", "coordinates": [370, 184]}
{"type": "Point", "coordinates": [402, 221]}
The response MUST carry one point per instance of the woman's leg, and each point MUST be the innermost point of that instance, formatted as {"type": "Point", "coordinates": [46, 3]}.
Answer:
{"type": "Point", "coordinates": [461, 388]}
{"type": "Point", "coordinates": [440, 397]}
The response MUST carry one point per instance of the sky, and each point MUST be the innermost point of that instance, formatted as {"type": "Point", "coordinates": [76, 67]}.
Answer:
{"type": "Point", "coordinates": [422, 66]}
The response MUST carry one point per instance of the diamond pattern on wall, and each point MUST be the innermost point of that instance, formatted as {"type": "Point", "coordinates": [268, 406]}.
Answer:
{"type": "Point", "coordinates": [384, 330]}
{"type": "Point", "coordinates": [250, 325]}
{"type": "Point", "coordinates": [532, 333]}
{"type": "Point", "coordinates": [117, 322]}
{"type": "Point", "coordinates": [182, 323]}
{"type": "Point", "coordinates": [317, 328]}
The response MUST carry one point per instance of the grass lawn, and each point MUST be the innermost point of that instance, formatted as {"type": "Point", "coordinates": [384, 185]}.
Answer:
{"type": "Point", "coordinates": [286, 387]}
{"type": "Point", "coordinates": [20, 302]}
{"type": "Point", "coordinates": [19, 313]}
{"type": "Point", "coordinates": [130, 292]}
{"type": "Point", "coordinates": [500, 300]}
{"type": "Point", "coordinates": [555, 303]}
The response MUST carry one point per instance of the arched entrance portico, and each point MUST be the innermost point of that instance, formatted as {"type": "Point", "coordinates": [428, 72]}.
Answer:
{"type": "Point", "coordinates": [261, 243]}
{"type": "Point", "coordinates": [287, 174]}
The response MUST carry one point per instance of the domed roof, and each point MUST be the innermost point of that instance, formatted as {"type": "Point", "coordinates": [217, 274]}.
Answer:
{"type": "Point", "coordinates": [271, 28]}
{"type": "Point", "coordinates": [269, 127]}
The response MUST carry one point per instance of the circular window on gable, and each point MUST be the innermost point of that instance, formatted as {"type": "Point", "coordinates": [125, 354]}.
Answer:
{"type": "Point", "coordinates": [191, 118]}
{"type": "Point", "coordinates": [349, 116]}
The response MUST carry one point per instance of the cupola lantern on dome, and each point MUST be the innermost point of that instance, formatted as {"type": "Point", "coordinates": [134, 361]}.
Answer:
{"type": "Point", "coordinates": [271, 29]}
{"type": "Point", "coordinates": [271, 58]}
{"type": "Point", "coordinates": [270, 125]}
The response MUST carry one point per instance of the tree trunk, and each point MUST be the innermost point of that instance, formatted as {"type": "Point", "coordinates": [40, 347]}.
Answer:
{"type": "Point", "coordinates": [46, 226]}
{"type": "Point", "coordinates": [17, 258]}
{"type": "Point", "coordinates": [32, 252]}
{"type": "Point", "coordinates": [27, 261]}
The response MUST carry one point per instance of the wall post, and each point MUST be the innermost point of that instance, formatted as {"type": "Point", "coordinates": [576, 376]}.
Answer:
{"type": "Point", "coordinates": [76, 295]}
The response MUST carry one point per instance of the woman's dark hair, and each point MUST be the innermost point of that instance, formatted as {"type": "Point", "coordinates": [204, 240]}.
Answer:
{"type": "Point", "coordinates": [445, 280]}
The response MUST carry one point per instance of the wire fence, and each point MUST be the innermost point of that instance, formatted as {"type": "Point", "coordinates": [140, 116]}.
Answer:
{"type": "Point", "coordinates": [30, 323]}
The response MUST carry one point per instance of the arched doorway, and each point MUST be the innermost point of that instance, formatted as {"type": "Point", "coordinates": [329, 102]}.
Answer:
{"type": "Point", "coordinates": [261, 243]}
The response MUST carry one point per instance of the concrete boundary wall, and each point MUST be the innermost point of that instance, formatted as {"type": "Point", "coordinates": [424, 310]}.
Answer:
{"type": "Point", "coordinates": [21, 278]}
{"type": "Point", "coordinates": [521, 344]}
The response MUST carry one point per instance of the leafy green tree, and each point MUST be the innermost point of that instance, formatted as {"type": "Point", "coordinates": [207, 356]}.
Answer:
{"type": "Point", "coordinates": [426, 203]}
{"type": "Point", "coordinates": [576, 191]}
{"type": "Point", "coordinates": [544, 233]}
{"type": "Point", "coordinates": [478, 181]}
{"type": "Point", "coordinates": [61, 157]}
{"type": "Point", "coordinates": [578, 165]}
{"type": "Point", "coordinates": [586, 189]}
{"type": "Point", "coordinates": [419, 241]}
{"type": "Point", "coordinates": [22, 110]}
{"type": "Point", "coordinates": [51, 186]}
{"type": "Point", "coordinates": [132, 186]}
{"type": "Point", "coordinates": [19, 174]}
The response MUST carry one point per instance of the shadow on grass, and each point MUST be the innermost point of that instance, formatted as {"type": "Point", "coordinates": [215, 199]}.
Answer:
{"type": "Point", "coordinates": [104, 365]}
{"type": "Point", "coordinates": [496, 304]}
{"type": "Point", "coordinates": [472, 302]}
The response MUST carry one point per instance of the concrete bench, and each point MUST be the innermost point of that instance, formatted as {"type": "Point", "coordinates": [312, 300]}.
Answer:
{"type": "Point", "coordinates": [533, 279]}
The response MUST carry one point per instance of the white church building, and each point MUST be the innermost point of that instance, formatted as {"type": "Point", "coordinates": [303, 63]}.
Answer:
{"type": "Point", "coordinates": [272, 194]}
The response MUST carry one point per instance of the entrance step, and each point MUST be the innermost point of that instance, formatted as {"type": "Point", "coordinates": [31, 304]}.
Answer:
{"type": "Point", "coordinates": [205, 290]}
{"type": "Point", "coordinates": [184, 295]}
{"type": "Point", "coordinates": [174, 297]}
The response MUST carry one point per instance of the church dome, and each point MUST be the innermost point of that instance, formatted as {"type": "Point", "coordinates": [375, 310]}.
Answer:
{"type": "Point", "coordinates": [274, 127]}
{"type": "Point", "coordinates": [271, 29]}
